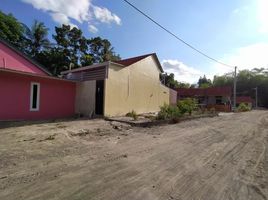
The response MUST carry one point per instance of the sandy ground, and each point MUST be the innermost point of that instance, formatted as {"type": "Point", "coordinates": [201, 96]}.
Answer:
{"type": "Point", "coordinates": [225, 157]}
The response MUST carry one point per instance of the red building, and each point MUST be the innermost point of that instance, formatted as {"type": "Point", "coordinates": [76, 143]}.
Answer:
{"type": "Point", "coordinates": [213, 97]}
{"type": "Point", "coordinates": [244, 99]}
{"type": "Point", "coordinates": [29, 91]}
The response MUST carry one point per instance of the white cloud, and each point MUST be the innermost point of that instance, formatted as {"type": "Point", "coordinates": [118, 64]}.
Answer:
{"type": "Point", "coordinates": [105, 16]}
{"type": "Point", "coordinates": [247, 57]}
{"type": "Point", "coordinates": [254, 14]}
{"type": "Point", "coordinates": [92, 29]}
{"type": "Point", "coordinates": [262, 15]}
{"type": "Point", "coordinates": [74, 9]}
{"type": "Point", "coordinates": [63, 11]}
{"type": "Point", "coordinates": [182, 72]}
{"type": "Point", "coordinates": [61, 19]}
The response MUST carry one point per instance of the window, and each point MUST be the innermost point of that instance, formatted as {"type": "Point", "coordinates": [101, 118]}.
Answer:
{"type": "Point", "coordinates": [218, 100]}
{"type": "Point", "coordinates": [35, 93]}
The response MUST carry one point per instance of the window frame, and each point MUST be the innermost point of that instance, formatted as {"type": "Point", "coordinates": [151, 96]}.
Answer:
{"type": "Point", "coordinates": [37, 97]}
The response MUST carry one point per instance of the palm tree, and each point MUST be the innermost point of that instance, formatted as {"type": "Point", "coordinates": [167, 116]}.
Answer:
{"type": "Point", "coordinates": [37, 38]}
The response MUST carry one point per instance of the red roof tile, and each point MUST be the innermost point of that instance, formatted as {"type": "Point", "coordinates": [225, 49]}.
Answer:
{"type": "Point", "coordinates": [130, 61]}
{"type": "Point", "coordinates": [191, 92]}
{"type": "Point", "coordinates": [219, 91]}
{"type": "Point", "coordinates": [244, 99]}
{"type": "Point", "coordinates": [212, 91]}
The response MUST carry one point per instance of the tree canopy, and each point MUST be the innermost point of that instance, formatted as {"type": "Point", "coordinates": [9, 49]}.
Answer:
{"type": "Point", "coordinates": [170, 81]}
{"type": "Point", "coordinates": [11, 29]}
{"type": "Point", "coordinates": [247, 80]}
{"type": "Point", "coordinates": [203, 82]}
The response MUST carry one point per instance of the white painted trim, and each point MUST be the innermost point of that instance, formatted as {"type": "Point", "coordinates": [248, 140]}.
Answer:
{"type": "Point", "coordinates": [38, 96]}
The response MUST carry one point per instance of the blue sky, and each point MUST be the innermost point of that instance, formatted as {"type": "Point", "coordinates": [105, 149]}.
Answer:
{"type": "Point", "coordinates": [233, 31]}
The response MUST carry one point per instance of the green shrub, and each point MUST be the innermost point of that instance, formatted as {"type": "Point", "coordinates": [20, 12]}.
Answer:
{"type": "Point", "coordinates": [243, 107]}
{"type": "Point", "coordinates": [212, 110]}
{"type": "Point", "coordinates": [187, 105]}
{"type": "Point", "coordinates": [132, 114]}
{"type": "Point", "coordinates": [169, 112]}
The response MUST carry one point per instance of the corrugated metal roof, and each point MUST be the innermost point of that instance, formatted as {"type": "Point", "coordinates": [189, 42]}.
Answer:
{"type": "Point", "coordinates": [244, 99]}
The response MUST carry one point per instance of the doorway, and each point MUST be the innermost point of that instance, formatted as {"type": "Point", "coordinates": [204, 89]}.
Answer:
{"type": "Point", "coordinates": [99, 97]}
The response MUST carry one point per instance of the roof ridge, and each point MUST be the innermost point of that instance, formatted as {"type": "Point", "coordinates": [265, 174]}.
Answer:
{"type": "Point", "coordinates": [132, 60]}
{"type": "Point", "coordinates": [144, 55]}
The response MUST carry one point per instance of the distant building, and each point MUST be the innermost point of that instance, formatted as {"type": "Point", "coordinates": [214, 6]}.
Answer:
{"type": "Point", "coordinates": [213, 97]}
{"type": "Point", "coordinates": [244, 99]}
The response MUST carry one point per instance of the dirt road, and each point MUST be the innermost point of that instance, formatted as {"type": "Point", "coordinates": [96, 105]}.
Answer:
{"type": "Point", "coordinates": [224, 157]}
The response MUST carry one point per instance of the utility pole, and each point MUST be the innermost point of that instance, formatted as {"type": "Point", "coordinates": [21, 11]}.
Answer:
{"type": "Point", "coordinates": [256, 97]}
{"type": "Point", "coordinates": [234, 106]}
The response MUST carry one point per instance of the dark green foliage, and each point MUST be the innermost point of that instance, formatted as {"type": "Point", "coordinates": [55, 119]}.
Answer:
{"type": "Point", "coordinates": [203, 82]}
{"type": "Point", "coordinates": [187, 105]}
{"type": "Point", "coordinates": [169, 81]}
{"type": "Point", "coordinates": [246, 81]}
{"type": "Point", "coordinates": [243, 107]}
{"type": "Point", "coordinates": [11, 30]}
{"type": "Point", "coordinates": [36, 38]}
{"type": "Point", "coordinates": [71, 43]}
{"type": "Point", "coordinates": [225, 80]}
{"type": "Point", "coordinates": [102, 50]}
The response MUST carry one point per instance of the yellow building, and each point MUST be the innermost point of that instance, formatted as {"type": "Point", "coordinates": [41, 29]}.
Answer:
{"type": "Point", "coordinates": [116, 88]}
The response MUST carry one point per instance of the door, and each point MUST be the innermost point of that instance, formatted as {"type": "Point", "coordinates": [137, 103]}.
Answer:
{"type": "Point", "coordinates": [99, 97]}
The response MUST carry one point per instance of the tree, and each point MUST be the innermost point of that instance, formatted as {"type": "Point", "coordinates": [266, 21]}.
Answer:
{"type": "Point", "coordinates": [101, 50]}
{"type": "Point", "coordinates": [37, 38]}
{"type": "Point", "coordinates": [53, 59]}
{"type": "Point", "coordinates": [203, 82]}
{"type": "Point", "coordinates": [170, 81]}
{"type": "Point", "coordinates": [11, 30]}
{"type": "Point", "coordinates": [246, 81]}
{"type": "Point", "coordinates": [71, 43]}
{"type": "Point", "coordinates": [225, 80]}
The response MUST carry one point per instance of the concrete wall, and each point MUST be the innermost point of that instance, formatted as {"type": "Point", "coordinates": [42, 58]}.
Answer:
{"type": "Point", "coordinates": [172, 97]}
{"type": "Point", "coordinates": [211, 100]}
{"type": "Point", "coordinates": [136, 87]}
{"type": "Point", "coordinates": [57, 97]}
{"type": "Point", "coordinates": [85, 98]}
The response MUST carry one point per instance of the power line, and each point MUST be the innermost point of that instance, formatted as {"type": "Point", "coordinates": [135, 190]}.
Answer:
{"type": "Point", "coordinates": [174, 35]}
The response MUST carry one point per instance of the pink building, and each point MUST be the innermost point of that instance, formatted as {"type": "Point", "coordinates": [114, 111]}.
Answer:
{"type": "Point", "coordinates": [28, 91]}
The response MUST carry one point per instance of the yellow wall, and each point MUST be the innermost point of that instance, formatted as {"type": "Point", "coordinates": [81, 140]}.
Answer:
{"type": "Point", "coordinates": [136, 87]}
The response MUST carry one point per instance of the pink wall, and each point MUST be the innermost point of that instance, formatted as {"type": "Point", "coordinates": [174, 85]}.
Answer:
{"type": "Point", "coordinates": [11, 60]}
{"type": "Point", "coordinates": [57, 98]}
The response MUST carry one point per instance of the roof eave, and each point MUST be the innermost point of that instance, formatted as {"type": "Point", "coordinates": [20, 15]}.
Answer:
{"type": "Point", "coordinates": [34, 75]}
{"type": "Point", "coordinates": [86, 68]}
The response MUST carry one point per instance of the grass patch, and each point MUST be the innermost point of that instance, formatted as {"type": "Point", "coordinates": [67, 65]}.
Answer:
{"type": "Point", "coordinates": [132, 114]}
